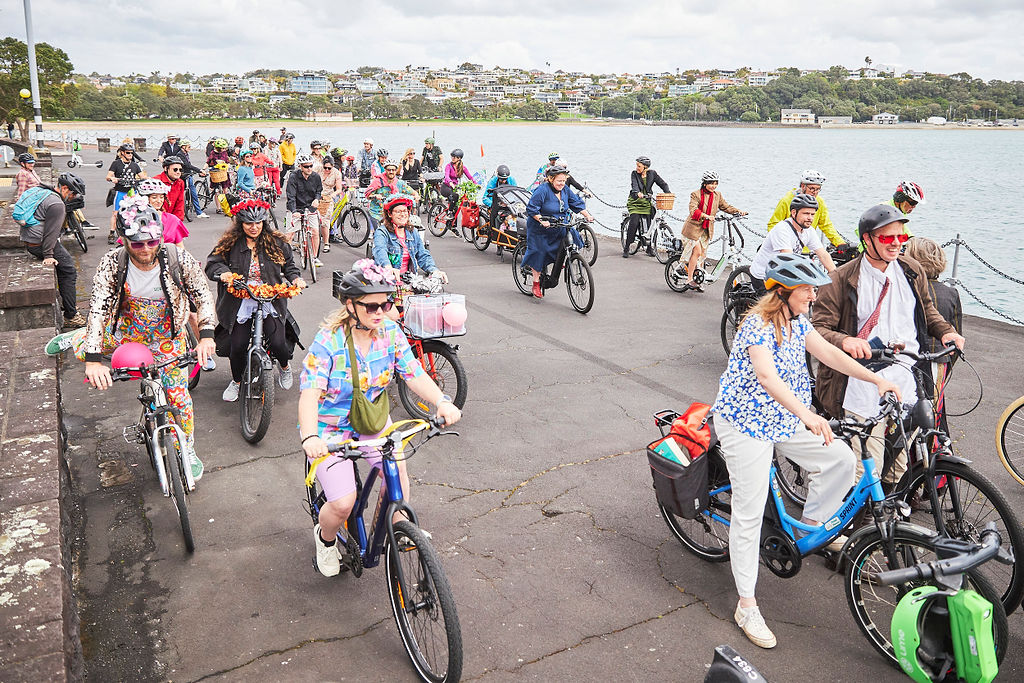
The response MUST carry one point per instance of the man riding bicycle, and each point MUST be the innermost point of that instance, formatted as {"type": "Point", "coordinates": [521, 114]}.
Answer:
{"type": "Point", "coordinates": [502, 178]}
{"type": "Point", "coordinates": [552, 200]}
{"type": "Point", "coordinates": [367, 157]}
{"type": "Point", "coordinates": [303, 197]}
{"type": "Point", "coordinates": [432, 157]}
{"type": "Point", "coordinates": [794, 235]}
{"type": "Point", "coordinates": [810, 184]}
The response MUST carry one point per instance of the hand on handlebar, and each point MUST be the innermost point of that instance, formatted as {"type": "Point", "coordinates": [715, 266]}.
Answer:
{"type": "Point", "coordinates": [818, 425]}
{"type": "Point", "coordinates": [954, 338]}
{"type": "Point", "coordinates": [98, 375]}
{"type": "Point", "coordinates": [314, 447]}
{"type": "Point", "coordinates": [857, 348]}
{"type": "Point", "coordinates": [448, 412]}
{"type": "Point", "coordinates": [299, 282]}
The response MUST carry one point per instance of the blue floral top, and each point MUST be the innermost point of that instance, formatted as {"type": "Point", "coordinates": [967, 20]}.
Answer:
{"type": "Point", "coordinates": [326, 368]}
{"type": "Point", "coordinates": [741, 398]}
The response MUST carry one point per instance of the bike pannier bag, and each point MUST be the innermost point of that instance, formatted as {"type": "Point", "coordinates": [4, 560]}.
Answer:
{"type": "Point", "coordinates": [692, 430]}
{"type": "Point", "coordinates": [681, 489]}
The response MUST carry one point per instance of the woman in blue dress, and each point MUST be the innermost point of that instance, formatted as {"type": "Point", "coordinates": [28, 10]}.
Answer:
{"type": "Point", "coordinates": [550, 200]}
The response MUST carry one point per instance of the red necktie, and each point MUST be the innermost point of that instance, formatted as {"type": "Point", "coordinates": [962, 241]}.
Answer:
{"type": "Point", "coordinates": [872, 320]}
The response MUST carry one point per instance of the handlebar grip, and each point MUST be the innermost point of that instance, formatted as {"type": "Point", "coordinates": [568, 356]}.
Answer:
{"type": "Point", "coordinates": [918, 571]}
{"type": "Point", "coordinates": [835, 425]}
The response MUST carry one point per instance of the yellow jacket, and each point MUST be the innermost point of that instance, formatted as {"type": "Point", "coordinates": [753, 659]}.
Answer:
{"type": "Point", "coordinates": [287, 150]}
{"type": "Point", "coordinates": [821, 220]}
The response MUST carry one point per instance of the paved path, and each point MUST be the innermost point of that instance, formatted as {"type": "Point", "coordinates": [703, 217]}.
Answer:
{"type": "Point", "coordinates": [542, 511]}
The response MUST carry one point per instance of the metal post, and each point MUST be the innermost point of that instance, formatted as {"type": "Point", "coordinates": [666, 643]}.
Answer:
{"type": "Point", "coordinates": [956, 261]}
{"type": "Point", "coordinates": [33, 76]}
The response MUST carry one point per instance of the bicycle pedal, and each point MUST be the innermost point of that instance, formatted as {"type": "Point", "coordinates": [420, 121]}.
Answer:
{"type": "Point", "coordinates": [133, 434]}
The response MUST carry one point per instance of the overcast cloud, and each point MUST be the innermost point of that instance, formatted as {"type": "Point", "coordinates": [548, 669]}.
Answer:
{"type": "Point", "coordinates": [593, 36]}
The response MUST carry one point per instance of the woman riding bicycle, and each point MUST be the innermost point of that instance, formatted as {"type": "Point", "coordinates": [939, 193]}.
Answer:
{"type": "Point", "coordinates": [398, 246]}
{"type": "Point", "coordinates": [699, 227]}
{"type": "Point", "coordinates": [551, 199]}
{"type": "Point", "coordinates": [360, 328]}
{"type": "Point", "coordinates": [763, 397]}
{"type": "Point", "coordinates": [640, 204]}
{"type": "Point", "coordinates": [260, 255]}
{"type": "Point", "coordinates": [454, 170]}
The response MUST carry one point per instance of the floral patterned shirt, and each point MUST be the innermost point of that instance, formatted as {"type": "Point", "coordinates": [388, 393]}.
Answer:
{"type": "Point", "coordinates": [741, 398]}
{"type": "Point", "coordinates": [326, 368]}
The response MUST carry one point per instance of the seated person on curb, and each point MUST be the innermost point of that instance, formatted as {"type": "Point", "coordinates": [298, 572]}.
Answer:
{"type": "Point", "coordinates": [764, 405]}
{"type": "Point", "coordinates": [810, 184]}
{"type": "Point", "coordinates": [502, 177]}
{"type": "Point", "coordinates": [550, 200]}
{"type": "Point", "coordinates": [253, 249]}
{"type": "Point", "coordinates": [792, 236]}
{"type": "Point", "coordinates": [878, 296]}
{"type": "Point", "coordinates": [302, 196]}
{"type": "Point", "coordinates": [360, 329]}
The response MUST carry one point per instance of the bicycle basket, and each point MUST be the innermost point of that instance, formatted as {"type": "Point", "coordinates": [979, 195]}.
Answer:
{"type": "Point", "coordinates": [681, 489]}
{"type": "Point", "coordinates": [433, 177]}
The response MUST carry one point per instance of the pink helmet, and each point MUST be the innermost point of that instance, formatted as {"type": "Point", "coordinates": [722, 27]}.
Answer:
{"type": "Point", "coordinates": [131, 355]}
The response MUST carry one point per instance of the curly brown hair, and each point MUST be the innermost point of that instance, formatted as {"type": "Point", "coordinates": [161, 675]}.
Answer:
{"type": "Point", "coordinates": [269, 241]}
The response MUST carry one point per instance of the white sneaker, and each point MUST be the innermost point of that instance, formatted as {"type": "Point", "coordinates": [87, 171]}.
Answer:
{"type": "Point", "coordinates": [211, 364]}
{"type": "Point", "coordinates": [231, 393]}
{"type": "Point", "coordinates": [752, 623]}
{"type": "Point", "coordinates": [284, 378]}
{"type": "Point", "coordinates": [328, 562]}
{"type": "Point", "coordinates": [202, 214]}
{"type": "Point", "coordinates": [327, 248]}
{"type": "Point", "coordinates": [318, 263]}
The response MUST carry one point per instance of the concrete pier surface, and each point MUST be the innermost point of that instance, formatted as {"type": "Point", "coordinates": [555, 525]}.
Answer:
{"type": "Point", "coordinates": [542, 510]}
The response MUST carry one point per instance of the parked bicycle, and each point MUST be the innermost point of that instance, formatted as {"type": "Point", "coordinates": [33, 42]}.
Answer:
{"type": "Point", "coordinates": [655, 235]}
{"type": "Point", "coordinates": [1010, 439]}
{"type": "Point", "coordinates": [421, 600]}
{"type": "Point", "coordinates": [732, 256]}
{"type": "Point", "coordinates": [72, 226]}
{"type": "Point", "coordinates": [429, 194]}
{"type": "Point", "coordinates": [579, 281]}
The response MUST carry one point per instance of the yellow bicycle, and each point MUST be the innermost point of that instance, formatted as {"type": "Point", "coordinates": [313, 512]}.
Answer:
{"type": "Point", "coordinates": [1010, 439]}
{"type": "Point", "coordinates": [349, 220]}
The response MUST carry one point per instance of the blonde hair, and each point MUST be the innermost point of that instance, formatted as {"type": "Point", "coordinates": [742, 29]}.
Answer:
{"type": "Point", "coordinates": [340, 317]}
{"type": "Point", "coordinates": [773, 310]}
{"type": "Point", "coordinates": [410, 151]}
{"type": "Point", "coordinates": [929, 254]}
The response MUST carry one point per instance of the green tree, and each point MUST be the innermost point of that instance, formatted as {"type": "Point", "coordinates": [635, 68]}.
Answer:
{"type": "Point", "coordinates": [749, 117]}
{"type": "Point", "coordinates": [54, 68]}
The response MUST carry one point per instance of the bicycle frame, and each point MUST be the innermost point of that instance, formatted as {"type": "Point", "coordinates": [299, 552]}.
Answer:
{"type": "Point", "coordinates": [371, 543]}
{"type": "Point", "coordinates": [256, 350]}
{"type": "Point", "coordinates": [731, 254]}
{"type": "Point", "coordinates": [154, 404]}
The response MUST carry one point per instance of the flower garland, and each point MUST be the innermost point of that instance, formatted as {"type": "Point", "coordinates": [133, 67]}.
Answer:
{"type": "Point", "coordinates": [263, 291]}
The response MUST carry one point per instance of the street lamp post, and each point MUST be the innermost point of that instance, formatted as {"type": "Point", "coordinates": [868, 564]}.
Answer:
{"type": "Point", "coordinates": [33, 76]}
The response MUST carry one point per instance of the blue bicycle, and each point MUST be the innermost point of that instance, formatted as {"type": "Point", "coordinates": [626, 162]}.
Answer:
{"type": "Point", "coordinates": [421, 599]}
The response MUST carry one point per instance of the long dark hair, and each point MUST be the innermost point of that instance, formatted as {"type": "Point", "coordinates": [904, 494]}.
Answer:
{"type": "Point", "coordinates": [269, 241]}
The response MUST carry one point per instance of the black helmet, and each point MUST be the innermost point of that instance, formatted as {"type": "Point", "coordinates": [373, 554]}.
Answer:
{"type": "Point", "coordinates": [552, 171]}
{"type": "Point", "coordinates": [503, 172]}
{"type": "Point", "coordinates": [366, 277]}
{"type": "Point", "coordinates": [172, 159]}
{"type": "Point", "coordinates": [126, 147]}
{"type": "Point", "coordinates": [251, 211]}
{"type": "Point", "coordinates": [26, 158]}
{"type": "Point", "coordinates": [457, 153]}
{"type": "Point", "coordinates": [877, 217]}
{"type": "Point", "coordinates": [73, 183]}
{"type": "Point", "coordinates": [803, 201]}
{"type": "Point", "coordinates": [646, 161]}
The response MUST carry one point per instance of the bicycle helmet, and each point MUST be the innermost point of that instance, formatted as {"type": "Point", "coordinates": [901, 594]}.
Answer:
{"type": "Point", "coordinates": [244, 153]}
{"type": "Point", "coordinates": [152, 186]}
{"type": "Point", "coordinates": [552, 156]}
{"type": "Point", "coordinates": [503, 172]}
{"type": "Point", "coordinates": [646, 161]}
{"type": "Point", "coordinates": [73, 183]}
{"type": "Point", "coordinates": [811, 177]}
{"type": "Point", "coordinates": [366, 277]}
{"type": "Point", "coordinates": [313, 144]}
{"type": "Point", "coordinates": [272, 141]}
{"type": "Point", "coordinates": [255, 132]}
{"type": "Point", "coordinates": [395, 200]}
{"type": "Point", "coordinates": [709, 177]}
{"type": "Point", "coordinates": [126, 147]}
{"type": "Point", "coordinates": [184, 143]}
{"type": "Point", "coordinates": [26, 158]}
{"type": "Point", "coordinates": [251, 211]}
{"type": "Point", "coordinates": [367, 141]}
{"type": "Point", "coordinates": [428, 141]}
{"type": "Point", "coordinates": [803, 201]}
{"type": "Point", "coordinates": [303, 159]}
{"type": "Point", "coordinates": [255, 147]}
{"type": "Point", "coordinates": [877, 217]}
{"type": "Point", "coordinates": [908, 191]}
{"type": "Point", "coordinates": [388, 163]}
{"type": "Point", "coordinates": [220, 143]}
{"type": "Point", "coordinates": [289, 136]}
{"type": "Point", "coordinates": [350, 158]}
{"type": "Point", "coordinates": [552, 171]}
{"type": "Point", "coordinates": [131, 355]}
{"type": "Point", "coordinates": [381, 152]}
{"type": "Point", "coordinates": [171, 160]}
{"type": "Point", "coordinates": [239, 140]}
{"type": "Point", "coordinates": [137, 221]}
{"type": "Point", "coordinates": [457, 153]}
{"type": "Point", "coordinates": [792, 270]}
{"type": "Point", "coordinates": [338, 152]}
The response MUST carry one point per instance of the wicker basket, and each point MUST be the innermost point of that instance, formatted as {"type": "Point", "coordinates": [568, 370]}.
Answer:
{"type": "Point", "coordinates": [218, 176]}
{"type": "Point", "coordinates": [664, 201]}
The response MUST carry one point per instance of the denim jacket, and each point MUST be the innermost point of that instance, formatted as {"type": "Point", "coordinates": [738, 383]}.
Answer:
{"type": "Point", "coordinates": [387, 252]}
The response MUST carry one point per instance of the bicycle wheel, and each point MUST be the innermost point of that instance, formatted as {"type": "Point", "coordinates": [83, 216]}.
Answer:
{"type": "Point", "coordinates": [1010, 439]}
{"type": "Point", "coordinates": [873, 604]}
{"type": "Point", "coordinates": [468, 231]}
{"type": "Point", "coordinates": [257, 400]}
{"type": "Point", "coordinates": [190, 209]}
{"type": "Point", "coordinates": [623, 230]}
{"type": "Point", "coordinates": [967, 502]}
{"type": "Point", "coordinates": [273, 219]}
{"type": "Point", "coordinates": [355, 227]}
{"type": "Point", "coordinates": [792, 479]}
{"type": "Point", "coordinates": [193, 370]}
{"type": "Point", "coordinates": [662, 243]}
{"type": "Point", "coordinates": [423, 605]}
{"type": "Point", "coordinates": [204, 194]}
{"type": "Point", "coordinates": [579, 281]}
{"type": "Point", "coordinates": [739, 276]}
{"type": "Point", "coordinates": [520, 273]}
{"type": "Point", "coordinates": [731, 321]}
{"type": "Point", "coordinates": [675, 273]}
{"type": "Point", "coordinates": [78, 231]}
{"type": "Point", "coordinates": [589, 250]}
{"type": "Point", "coordinates": [174, 461]}
{"type": "Point", "coordinates": [482, 238]}
{"type": "Point", "coordinates": [437, 220]}
{"type": "Point", "coordinates": [310, 257]}
{"type": "Point", "coordinates": [443, 365]}
{"type": "Point", "coordinates": [707, 536]}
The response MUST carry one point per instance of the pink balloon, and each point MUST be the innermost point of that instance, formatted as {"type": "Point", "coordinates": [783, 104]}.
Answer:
{"type": "Point", "coordinates": [454, 315]}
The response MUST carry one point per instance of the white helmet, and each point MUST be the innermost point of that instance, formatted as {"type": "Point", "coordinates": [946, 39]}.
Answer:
{"type": "Point", "coordinates": [811, 177]}
{"type": "Point", "coordinates": [304, 159]}
{"type": "Point", "coordinates": [910, 191]}
{"type": "Point", "coordinates": [368, 141]}
{"type": "Point", "coordinates": [709, 177]}
{"type": "Point", "coordinates": [153, 186]}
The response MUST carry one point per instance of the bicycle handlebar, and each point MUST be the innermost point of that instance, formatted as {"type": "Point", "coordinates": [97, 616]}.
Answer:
{"type": "Point", "coordinates": [889, 353]}
{"type": "Point", "coordinates": [890, 404]}
{"type": "Point", "coordinates": [977, 555]}
{"type": "Point", "coordinates": [354, 449]}
{"type": "Point", "coordinates": [125, 374]}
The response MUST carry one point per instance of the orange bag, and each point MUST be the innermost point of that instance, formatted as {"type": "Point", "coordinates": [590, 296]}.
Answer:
{"type": "Point", "coordinates": [691, 430]}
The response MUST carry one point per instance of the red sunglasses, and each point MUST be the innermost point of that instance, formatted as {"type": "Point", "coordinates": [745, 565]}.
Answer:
{"type": "Point", "coordinates": [888, 239]}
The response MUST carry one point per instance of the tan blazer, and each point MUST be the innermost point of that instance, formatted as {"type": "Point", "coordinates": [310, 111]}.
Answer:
{"type": "Point", "coordinates": [692, 228]}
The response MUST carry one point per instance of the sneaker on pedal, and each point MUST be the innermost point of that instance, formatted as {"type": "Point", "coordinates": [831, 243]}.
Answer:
{"type": "Point", "coordinates": [318, 263]}
{"type": "Point", "coordinates": [327, 247]}
{"type": "Point", "coordinates": [231, 392]}
{"type": "Point", "coordinates": [328, 562]}
{"type": "Point", "coordinates": [194, 464]}
{"type": "Point", "coordinates": [752, 623]}
{"type": "Point", "coordinates": [61, 343]}
{"type": "Point", "coordinates": [284, 377]}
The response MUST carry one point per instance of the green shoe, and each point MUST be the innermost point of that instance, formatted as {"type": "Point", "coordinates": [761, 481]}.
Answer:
{"type": "Point", "coordinates": [60, 343]}
{"type": "Point", "coordinates": [195, 464]}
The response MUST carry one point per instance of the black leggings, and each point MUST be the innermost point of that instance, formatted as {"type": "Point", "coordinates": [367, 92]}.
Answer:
{"type": "Point", "coordinates": [67, 277]}
{"type": "Point", "coordinates": [634, 225]}
{"type": "Point", "coordinates": [273, 332]}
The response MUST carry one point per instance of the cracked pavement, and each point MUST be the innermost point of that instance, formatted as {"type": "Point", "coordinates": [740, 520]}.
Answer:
{"type": "Point", "coordinates": [542, 510]}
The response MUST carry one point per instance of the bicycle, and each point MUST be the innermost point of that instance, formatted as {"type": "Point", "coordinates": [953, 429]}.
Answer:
{"type": "Point", "coordinates": [350, 220]}
{"type": "Point", "coordinates": [1010, 439]}
{"type": "Point", "coordinates": [653, 234]}
{"type": "Point", "coordinates": [204, 192]}
{"type": "Point", "coordinates": [163, 438]}
{"type": "Point", "coordinates": [307, 253]}
{"type": "Point", "coordinates": [732, 256]}
{"type": "Point", "coordinates": [421, 599]}
{"type": "Point", "coordinates": [952, 635]}
{"type": "Point", "coordinates": [579, 281]}
{"type": "Point", "coordinates": [72, 226]}
{"type": "Point", "coordinates": [429, 195]}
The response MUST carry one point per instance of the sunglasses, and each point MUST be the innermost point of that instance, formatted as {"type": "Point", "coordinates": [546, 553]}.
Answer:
{"type": "Point", "coordinates": [307, 165]}
{"type": "Point", "coordinates": [373, 308]}
{"type": "Point", "coordinates": [142, 245]}
{"type": "Point", "coordinates": [889, 239]}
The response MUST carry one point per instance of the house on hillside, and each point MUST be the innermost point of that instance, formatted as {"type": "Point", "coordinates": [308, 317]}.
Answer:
{"type": "Point", "coordinates": [885, 119]}
{"type": "Point", "coordinates": [797, 116]}
{"type": "Point", "coordinates": [309, 83]}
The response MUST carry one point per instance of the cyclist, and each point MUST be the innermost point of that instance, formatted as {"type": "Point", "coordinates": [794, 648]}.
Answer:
{"type": "Point", "coordinates": [239, 146]}
{"type": "Point", "coordinates": [381, 350]}
{"type": "Point", "coordinates": [122, 172]}
{"type": "Point", "coordinates": [432, 157]}
{"type": "Point", "coordinates": [551, 200]}
{"type": "Point", "coordinates": [219, 155]}
{"type": "Point", "coordinates": [367, 157]}
{"type": "Point", "coordinates": [810, 184]}
{"type": "Point", "coordinates": [350, 172]}
{"type": "Point", "coordinates": [172, 176]}
{"type": "Point", "coordinates": [27, 176]}
{"type": "Point", "coordinates": [253, 249]}
{"type": "Point", "coordinates": [245, 174]}
{"type": "Point", "coordinates": [639, 204]}
{"type": "Point", "coordinates": [764, 395]}
{"type": "Point", "coordinates": [337, 154]}
{"type": "Point", "coordinates": [191, 170]}
{"type": "Point", "coordinates": [141, 293]}
{"type": "Point", "coordinates": [502, 177]}
{"type": "Point", "coordinates": [906, 197]}
{"type": "Point", "coordinates": [273, 154]}
{"type": "Point", "coordinates": [170, 148]}
{"type": "Point", "coordinates": [454, 170]}
{"type": "Point", "coordinates": [334, 187]}
{"type": "Point", "coordinates": [411, 168]}
{"type": "Point", "coordinates": [155, 191]}
{"type": "Point", "coordinates": [260, 164]}
{"type": "Point", "coordinates": [879, 296]}
{"type": "Point", "coordinates": [316, 150]}
{"type": "Point", "coordinates": [303, 196]}
{"type": "Point", "coordinates": [382, 187]}
{"type": "Point", "coordinates": [397, 245]}
{"type": "Point", "coordinates": [287, 147]}
{"type": "Point", "coordinates": [255, 137]}
{"type": "Point", "coordinates": [699, 227]}
{"type": "Point", "coordinates": [794, 235]}
{"type": "Point", "coordinates": [378, 166]}
{"type": "Point", "coordinates": [41, 237]}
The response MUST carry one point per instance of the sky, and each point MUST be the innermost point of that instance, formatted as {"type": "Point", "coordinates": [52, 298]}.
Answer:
{"type": "Point", "coordinates": [592, 36]}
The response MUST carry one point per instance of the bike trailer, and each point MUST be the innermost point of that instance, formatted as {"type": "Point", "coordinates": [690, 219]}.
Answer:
{"type": "Point", "coordinates": [679, 459]}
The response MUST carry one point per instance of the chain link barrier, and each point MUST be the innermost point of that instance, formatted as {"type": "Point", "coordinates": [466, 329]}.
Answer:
{"type": "Point", "coordinates": [958, 283]}
{"type": "Point", "coordinates": [960, 242]}
{"type": "Point", "coordinates": [614, 206]}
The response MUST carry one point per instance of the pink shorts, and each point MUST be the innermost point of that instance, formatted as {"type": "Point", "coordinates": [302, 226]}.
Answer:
{"type": "Point", "coordinates": [337, 474]}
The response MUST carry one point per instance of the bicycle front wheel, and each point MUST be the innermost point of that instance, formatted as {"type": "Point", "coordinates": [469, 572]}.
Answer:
{"type": "Point", "coordinates": [437, 220]}
{"type": "Point", "coordinates": [589, 250]}
{"type": "Point", "coordinates": [309, 254]}
{"type": "Point", "coordinates": [623, 231]}
{"type": "Point", "coordinates": [423, 605]}
{"type": "Point", "coordinates": [174, 462]}
{"type": "Point", "coordinates": [520, 273]}
{"type": "Point", "coordinates": [663, 243]}
{"type": "Point", "coordinates": [1010, 439]}
{"type": "Point", "coordinates": [79, 230]}
{"type": "Point", "coordinates": [355, 227]}
{"type": "Point", "coordinates": [739, 277]}
{"type": "Point", "coordinates": [482, 238]}
{"type": "Point", "coordinates": [442, 364]}
{"type": "Point", "coordinates": [579, 281]}
{"type": "Point", "coordinates": [257, 400]}
{"type": "Point", "coordinates": [873, 604]}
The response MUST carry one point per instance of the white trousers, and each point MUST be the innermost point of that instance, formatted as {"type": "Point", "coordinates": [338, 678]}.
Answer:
{"type": "Point", "coordinates": [830, 470]}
